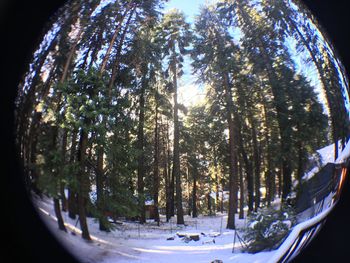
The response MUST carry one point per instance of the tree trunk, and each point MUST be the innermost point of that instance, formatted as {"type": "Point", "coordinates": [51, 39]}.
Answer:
{"type": "Point", "coordinates": [141, 157]}
{"type": "Point", "coordinates": [217, 188]}
{"type": "Point", "coordinates": [82, 184]}
{"type": "Point", "coordinates": [62, 184]}
{"type": "Point", "coordinates": [270, 177]}
{"type": "Point", "coordinates": [279, 176]}
{"type": "Point", "coordinates": [56, 178]}
{"type": "Point", "coordinates": [100, 191]}
{"type": "Point", "coordinates": [233, 158]}
{"type": "Point", "coordinates": [33, 140]}
{"type": "Point", "coordinates": [241, 191]}
{"type": "Point", "coordinates": [56, 203]}
{"type": "Point", "coordinates": [72, 200]}
{"type": "Point", "coordinates": [171, 176]}
{"type": "Point", "coordinates": [63, 197]}
{"type": "Point", "coordinates": [188, 191]}
{"type": "Point", "coordinates": [256, 156]}
{"type": "Point", "coordinates": [176, 154]}
{"type": "Point", "coordinates": [156, 165]}
{"type": "Point", "coordinates": [249, 172]}
{"type": "Point", "coordinates": [194, 194]}
{"type": "Point", "coordinates": [166, 175]}
{"type": "Point", "coordinates": [222, 194]}
{"type": "Point", "coordinates": [300, 170]}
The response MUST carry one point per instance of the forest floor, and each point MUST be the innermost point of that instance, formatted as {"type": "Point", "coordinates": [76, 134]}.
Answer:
{"type": "Point", "coordinates": [132, 242]}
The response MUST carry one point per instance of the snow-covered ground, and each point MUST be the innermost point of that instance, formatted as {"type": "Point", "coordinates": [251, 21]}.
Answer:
{"type": "Point", "coordinates": [131, 242]}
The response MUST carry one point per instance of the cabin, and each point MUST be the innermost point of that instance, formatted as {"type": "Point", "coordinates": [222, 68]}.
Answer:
{"type": "Point", "coordinates": [151, 209]}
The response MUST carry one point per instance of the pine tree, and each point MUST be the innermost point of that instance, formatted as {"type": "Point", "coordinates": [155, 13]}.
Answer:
{"type": "Point", "coordinates": [175, 34]}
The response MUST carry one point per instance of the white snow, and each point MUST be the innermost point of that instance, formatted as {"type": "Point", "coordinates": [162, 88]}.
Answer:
{"type": "Point", "coordinates": [149, 202]}
{"type": "Point", "coordinates": [253, 224]}
{"type": "Point", "coordinates": [327, 153]}
{"type": "Point", "coordinates": [131, 242]}
{"type": "Point", "coordinates": [311, 173]}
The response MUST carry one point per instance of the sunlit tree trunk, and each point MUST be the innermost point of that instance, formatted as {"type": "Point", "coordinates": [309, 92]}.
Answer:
{"type": "Point", "coordinates": [233, 171]}
{"type": "Point", "coordinates": [241, 192]}
{"type": "Point", "coordinates": [194, 193]}
{"type": "Point", "coordinates": [176, 151]}
{"type": "Point", "coordinates": [141, 157]}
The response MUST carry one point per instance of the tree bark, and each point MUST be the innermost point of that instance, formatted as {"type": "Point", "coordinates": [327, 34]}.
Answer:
{"type": "Point", "coordinates": [72, 200]}
{"type": "Point", "coordinates": [241, 191]}
{"type": "Point", "coordinates": [248, 166]}
{"type": "Point", "coordinates": [56, 178]}
{"type": "Point", "coordinates": [232, 153]}
{"type": "Point", "coordinates": [171, 177]}
{"type": "Point", "coordinates": [166, 174]}
{"type": "Point", "coordinates": [222, 194]}
{"type": "Point", "coordinates": [100, 190]}
{"type": "Point", "coordinates": [270, 176]}
{"type": "Point", "coordinates": [156, 165]}
{"type": "Point", "coordinates": [62, 184]}
{"type": "Point", "coordinates": [141, 157]}
{"type": "Point", "coordinates": [58, 213]}
{"type": "Point", "coordinates": [33, 141]}
{"type": "Point", "coordinates": [176, 154]}
{"type": "Point", "coordinates": [194, 194]}
{"type": "Point", "coordinates": [82, 184]}
{"type": "Point", "coordinates": [256, 156]}
{"type": "Point", "coordinates": [217, 188]}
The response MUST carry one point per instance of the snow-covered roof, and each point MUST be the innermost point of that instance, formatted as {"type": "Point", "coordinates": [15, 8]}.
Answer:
{"type": "Point", "coordinates": [327, 153]}
{"type": "Point", "coordinates": [327, 156]}
{"type": "Point", "coordinates": [311, 173]}
{"type": "Point", "coordinates": [149, 202]}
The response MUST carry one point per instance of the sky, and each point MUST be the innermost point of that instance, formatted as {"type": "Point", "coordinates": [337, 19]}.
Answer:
{"type": "Point", "coordinates": [189, 7]}
{"type": "Point", "coordinates": [189, 92]}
